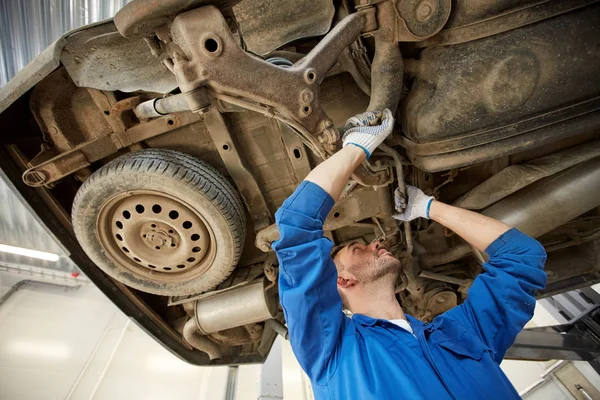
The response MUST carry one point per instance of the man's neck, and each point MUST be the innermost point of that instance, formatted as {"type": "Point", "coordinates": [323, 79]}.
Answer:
{"type": "Point", "coordinates": [377, 303]}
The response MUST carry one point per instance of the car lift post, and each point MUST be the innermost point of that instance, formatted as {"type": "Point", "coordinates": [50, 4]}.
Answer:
{"type": "Point", "coordinates": [578, 339]}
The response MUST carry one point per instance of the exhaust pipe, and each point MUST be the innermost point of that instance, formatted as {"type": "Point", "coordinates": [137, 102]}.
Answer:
{"type": "Point", "coordinates": [539, 208]}
{"type": "Point", "coordinates": [551, 202]}
{"type": "Point", "coordinates": [200, 342]}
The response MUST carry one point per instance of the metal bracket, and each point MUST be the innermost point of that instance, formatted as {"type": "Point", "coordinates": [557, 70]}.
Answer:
{"type": "Point", "coordinates": [86, 153]}
{"type": "Point", "coordinates": [212, 57]}
{"type": "Point", "coordinates": [234, 162]}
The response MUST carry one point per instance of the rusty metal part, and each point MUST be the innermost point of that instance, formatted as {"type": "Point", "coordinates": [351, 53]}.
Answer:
{"type": "Point", "coordinates": [213, 57]}
{"type": "Point", "coordinates": [238, 336]}
{"type": "Point", "coordinates": [267, 25]}
{"type": "Point", "coordinates": [387, 65]}
{"type": "Point", "coordinates": [151, 233]}
{"type": "Point", "coordinates": [455, 253]}
{"type": "Point", "coordinates": [278, 327]}
{"type": "Point", "coordinates": [45, 195]}
{"type": "Point", "coordinates": [365, 177]}
{"type": "Point", "coordinates": [99, 57]}
{"type": "Point", "coordinates": [200, 342]}
{"type": "Point", "coordinates": [414, 290]}
{"type": "Point", "coordinates": [439, 301]}
{"type": "Point", "coordinates": [296, 152]}
{"type": "Point", "coordinates": [359, 204]}
{"type": "Point", "coordinates": [196, 100]}
{"type": "Point", "coordinates": [112, 109]}
{"type": "Point", "coordinates": [85, 154]}
{"type": "Point", "coordinates": [305, 135]}
{"type": "Point", "coordinates": [519, 107]}
{"type": "Point", "coordinates": [265, 237]}
{"type": "Point", "coordinates": [386, 76]}
{"type": "Point", "coordinates": [516, 177]}
{"type": "Point", "coordinates": [538, 208]}
{"type": "Point", "coordinates": [68, 115]}
{"type": "Point", "coordinates": [551, 202]}
{"type": "Point", "coordinates": [419, 19]}
{"type": "Point", "coordinates": [402, 186]}
{"type": "Point", "coordinates": [562, 125]}
{"type": "Point", "coordinates": [445, 278]}
{"type": "Point", "coordinates": [140, 18]}
{"type": "Point", "coordinates": [354, 61]}
{"type": "Point", "coordinates": [241, 276]}
{"type": "Point", "coordinates": [270, 269]}
{"type": "Point", "coordinates": [241, 306]}
{"type": "Point", "coordinates": [242, 177]}
{"type": "Point", "coordinates": [574, 242]}
{"type": "Point", "coordinates": [506, 21]}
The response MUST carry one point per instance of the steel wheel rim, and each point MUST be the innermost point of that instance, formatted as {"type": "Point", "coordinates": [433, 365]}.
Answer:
{"type": "Point", "coordinates": [154, 234]}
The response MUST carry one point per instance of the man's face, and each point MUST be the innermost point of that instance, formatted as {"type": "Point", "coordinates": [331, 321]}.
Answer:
{"type": "Point", "coordinates": [366, 263]}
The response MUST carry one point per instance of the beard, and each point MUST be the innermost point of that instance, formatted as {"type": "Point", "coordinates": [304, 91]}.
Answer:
{"type": "Point", "coordinates": [376, 269]}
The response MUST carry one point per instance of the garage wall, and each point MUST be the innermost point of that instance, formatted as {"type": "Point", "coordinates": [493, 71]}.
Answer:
{"type": "Point", "coordinates": [74, 344]}
{"type": "Point", "coordinates": [20, 228]}
{"type": "Point", "coordinates": [28, 26]}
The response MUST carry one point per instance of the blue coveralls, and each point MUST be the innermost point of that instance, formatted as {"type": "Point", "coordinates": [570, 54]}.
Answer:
{"type": "Point", "coordinates": [456, 356]}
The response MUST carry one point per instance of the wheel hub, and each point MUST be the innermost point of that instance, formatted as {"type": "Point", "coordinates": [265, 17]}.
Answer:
{"type": "Point", "coordinates": [155, 233]}
{"type": "Point", "coordinates": [158, 239]}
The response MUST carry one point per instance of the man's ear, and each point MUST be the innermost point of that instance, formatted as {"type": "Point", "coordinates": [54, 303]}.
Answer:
{"type": "Point", "coordinates": [346, 283]}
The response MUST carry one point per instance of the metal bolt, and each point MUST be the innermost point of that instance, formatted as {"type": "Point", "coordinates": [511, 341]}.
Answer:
{"type": "Point", "coordinates": [424, 11]}
{"type": "Point", "coordinates": [307, 96]}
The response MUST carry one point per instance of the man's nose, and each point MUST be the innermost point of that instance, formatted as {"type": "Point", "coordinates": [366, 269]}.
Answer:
{"type": "Point", "coordinates": [373, 246]}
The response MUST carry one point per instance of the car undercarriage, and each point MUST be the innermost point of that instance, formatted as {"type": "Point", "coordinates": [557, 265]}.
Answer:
{"type": "Point", "coordinates": [158, 146]}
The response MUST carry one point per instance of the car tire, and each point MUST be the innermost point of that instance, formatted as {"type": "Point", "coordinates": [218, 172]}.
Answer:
{"type": "Point", "coordinates": [160, 221]}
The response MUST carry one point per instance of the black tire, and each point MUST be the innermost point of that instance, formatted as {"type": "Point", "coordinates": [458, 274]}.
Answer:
{"type": "Point", "coordinates": [181, 176]}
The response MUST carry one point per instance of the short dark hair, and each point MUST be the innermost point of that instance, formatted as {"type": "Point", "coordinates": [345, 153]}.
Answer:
{"type": "Point", "coordinates": [336, 250]}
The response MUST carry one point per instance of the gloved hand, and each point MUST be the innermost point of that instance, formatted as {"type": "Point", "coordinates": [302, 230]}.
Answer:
{"type": "Point", "coordinates": [417, 205]}
{"type": "Point", "coordinates": [368, 130]}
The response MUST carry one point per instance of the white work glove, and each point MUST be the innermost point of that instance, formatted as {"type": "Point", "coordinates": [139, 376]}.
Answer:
{"type": "Point", "coordinates": [417, 205]}
{"type": "Point", "coordinates": [368, 130]}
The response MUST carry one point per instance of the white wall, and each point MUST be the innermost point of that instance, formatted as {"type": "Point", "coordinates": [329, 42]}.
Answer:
{"type": "Point", "coordinates": [76, 345]}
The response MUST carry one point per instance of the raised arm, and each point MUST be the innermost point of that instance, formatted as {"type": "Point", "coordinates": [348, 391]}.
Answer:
{"type": "Point", "coordinates": [477, 229]}
{"type": "Point", "coordinates": [307, 274]}
{"type": "Point", "coordinates": [502, 298]}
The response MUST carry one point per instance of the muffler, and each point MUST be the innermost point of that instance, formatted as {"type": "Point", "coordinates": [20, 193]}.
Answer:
{"type": "Point", "coordinates": [240, 306]}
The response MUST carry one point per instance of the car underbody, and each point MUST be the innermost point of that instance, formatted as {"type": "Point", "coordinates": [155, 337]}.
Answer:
{"type": "Point", "coordinates": [157, 147]}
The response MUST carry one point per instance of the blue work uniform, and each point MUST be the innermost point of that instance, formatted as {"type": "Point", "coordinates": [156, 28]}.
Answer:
{"type": "Point", "coordinates": [456, 356]}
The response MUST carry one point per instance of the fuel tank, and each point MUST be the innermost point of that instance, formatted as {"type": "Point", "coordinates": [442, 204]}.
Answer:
{"type": "Point", "coordinates": [505, 93]}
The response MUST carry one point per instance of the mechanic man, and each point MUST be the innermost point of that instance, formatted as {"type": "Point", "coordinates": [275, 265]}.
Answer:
{"type": "Point", "coordinates": [382, 353]}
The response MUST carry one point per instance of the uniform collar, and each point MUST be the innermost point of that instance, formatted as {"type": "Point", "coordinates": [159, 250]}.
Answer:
{"type": "Point", "coordinates": [365, 320]}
